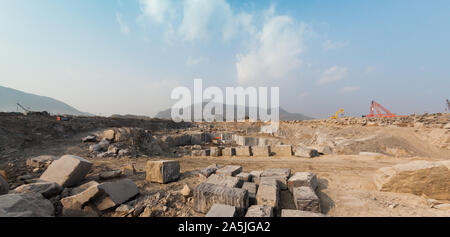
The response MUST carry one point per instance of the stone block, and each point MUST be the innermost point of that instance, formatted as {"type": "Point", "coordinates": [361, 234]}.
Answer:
{"type": "Point", "coordinates": [243, 151]}
{"type": "Point", "coordinates": [252, 188]}
{"type": "Point", "coordinates": [281, 150]}
{"type": "Point", "coordinates": [230, 170]}
{"type": "Point", "coordinates": [222, 180]}
{"type": "Point", "coordinates": [303, 179]}
{"type": "Point", "coordinates": [206, 195]}
{"type": "Point", "coordinates": [244, 177]}
{"type": "Point", "coordinates": [268, 193]}
{"type": "Point", "coordinates": [306, 199]}
{"type": "Point", "coordinates": [201, 153]}
{"type": "Point", "coordinates": [215, 151]}
{"type": "Point", "coordinates": [67, 171]}
{"type": "Point", "coordinates": [298, 213]}
{"type": "Point", "coordinates": [259, 211]}
{"type": "Point", "coordinates": [229, 151]}
{"type": "Point", "coordinates": [78, 200]}
{"type": "Point", "coordinates": [306, 152]}
{"type": "Point", "coordinates": [221, 210]}
{"type": "Point", "coordinates": [281, 175]}
{"type": "Point", "coordinates": [261, 151]}
{"type": "Point", "coordinates": [256, 176]}
{"type": "Point", "coordinates": [164, 171]}
{"type": "Point", "coordinates": [4, 186]}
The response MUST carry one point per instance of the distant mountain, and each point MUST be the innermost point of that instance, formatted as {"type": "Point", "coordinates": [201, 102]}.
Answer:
{"type": "Point", "coordinates": [10, 97]}
{"type": "Point", "coordinates": [284, 115]}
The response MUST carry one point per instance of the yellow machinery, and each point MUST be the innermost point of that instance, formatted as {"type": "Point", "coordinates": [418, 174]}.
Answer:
{"type": "Point", "coordinates": [337, 113]}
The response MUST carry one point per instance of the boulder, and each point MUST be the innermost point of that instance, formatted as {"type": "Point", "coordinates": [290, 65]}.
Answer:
{"type": "Point", "coordinates": [40, 161]}
{"type": "Point", "coordinates": [221, 210]}
{"type": "Point", "coordinates": [301, 151]}
{"type": "Point", "coordinates": [82, 187]}
{"type": "Point", "coordinates": [115, 193]}
{"type": "Point", "coordinates": [223, 180]}
{"type": "Point", "coordinates": [303, 179]}
{"type": "Point", "coordinates": [4, 186]}
{"type": "Point", "coordinates": [243, 151]}
{"type": "Point", "coordinates": [229, 151]}
{"type": "Point", "coordinates": [25, 205]}
{"type": "Point", "coordinates": [164, 171]}
{"type": "Point", "coordinates": [78, 200]}
{"type": "Point", "coordinates": [99, 147]}
{"type": "Point", "coordinates": [281, 150]}
{"type": "Point", "coordinates": [305, 199]}
{"type": "Point", "coordinates": [109, 134]}
{"type": "Point", "coordinates": [47, 189]}
{"type": "Point", "coordinates": [201, 153]}
{"type": "Point", "coordinates": [67, 171]}
{"type": "Point", "coordinates": [325, 149]}
{"type": "Point", "coordinates": [259, 211]}
{"type": "Point", "coordinates": [230, 170]}
{"type": "Point", "coordinates": [261, 151]}
{"type": "Point", "coordinates": [3, 174]}
{"type": "Point", "coordinates": [206, 195]}
{"type": "Point", "coordinates": [208, 171]}
{"type": "Point", "coordinates": [298, 213]}
{"type": "Point", "coordinates": [186, 191]}
{"type": "Point", "coordinates": [418, 177]}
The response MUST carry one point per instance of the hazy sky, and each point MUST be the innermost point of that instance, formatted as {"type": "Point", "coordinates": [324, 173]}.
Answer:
{"type": "Point", "coordinates": [125, 56]}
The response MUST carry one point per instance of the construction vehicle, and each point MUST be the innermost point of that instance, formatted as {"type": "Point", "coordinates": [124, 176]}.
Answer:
{"type": "Point", "coordinates": [379, 114]}
{"type": "Point", "coordinates": [29, 112]}
{"type": "Point", "coordinates": [337, 113]}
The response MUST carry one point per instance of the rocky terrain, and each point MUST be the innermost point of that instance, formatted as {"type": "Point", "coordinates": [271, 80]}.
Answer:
{"type": "Point", "coordinates": [124, 166]}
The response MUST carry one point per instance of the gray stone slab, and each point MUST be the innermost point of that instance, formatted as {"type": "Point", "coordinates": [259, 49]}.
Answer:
{"type": "Point", "coordinates": [164, 171]}
{"type": "Point", "coordinates": [222, 180]}
{"type": "Point", "coordinates": [115, 193]}
{"type": "Point", "coordinates": [303, 179]}
{"type": "Point", "coordinates": [67, 171]}
{"type": "Point", "coordinates": [230, 170]}
{"type": "Point", "coordinates": [206, 195]}
{"type": "Point", "coordinates": [221, 210]}
{"type": "Point", "coordinates": [47, 189]}
{"type": "Point", "coordinates": [25, 205]}
{"type": "Point", "coordinates": [259, 211]}
{"type": "Point", "coordinates": [305, 199]}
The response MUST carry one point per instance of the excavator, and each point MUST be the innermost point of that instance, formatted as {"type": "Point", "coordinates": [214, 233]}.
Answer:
{"type": "Point", "coordinates": [337, 113]}
{"type": "Point", "coordinates": [29, 112]}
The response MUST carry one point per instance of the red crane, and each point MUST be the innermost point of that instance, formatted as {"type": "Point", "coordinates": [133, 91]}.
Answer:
{"type": "Point", "coordinates": [379, 114]}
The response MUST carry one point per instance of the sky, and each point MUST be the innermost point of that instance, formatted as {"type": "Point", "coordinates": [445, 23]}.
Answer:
{"type": "Point", "coordinates": [125, 56]}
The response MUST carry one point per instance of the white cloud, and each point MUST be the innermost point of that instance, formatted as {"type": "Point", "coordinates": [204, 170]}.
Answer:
{"type": "Point", "coordinates": [331, 45]}
{"type": "Point", "coordinates": [277, 53]}
{"type": "Point", "coordinates": [123, 26]}
{"type": "Point", "coordinates": [349, 89]}
{"type": "Point", "coordinates": [332, 74]}
{"type": "Point", "coordinates": [158, 10]}
{"type": "Point", "coordinates": [192, 61]}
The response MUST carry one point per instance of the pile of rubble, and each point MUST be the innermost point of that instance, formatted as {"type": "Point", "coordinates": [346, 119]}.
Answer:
{"type": "Point", "coordinates": [63, 190]}
{"type": "Point", "coordinates": [229, 192]}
